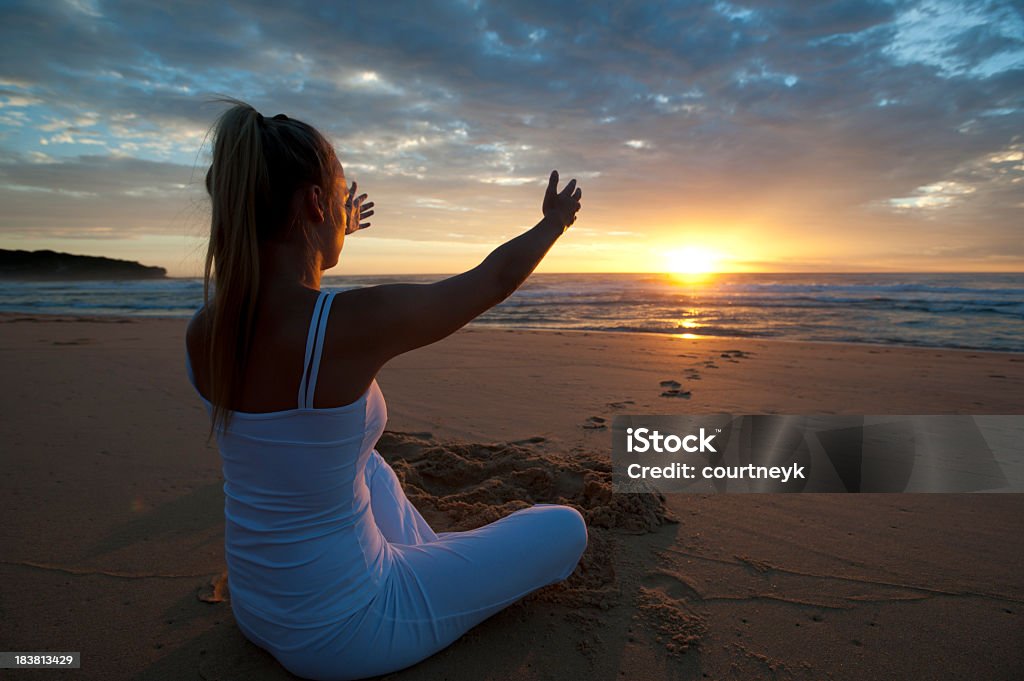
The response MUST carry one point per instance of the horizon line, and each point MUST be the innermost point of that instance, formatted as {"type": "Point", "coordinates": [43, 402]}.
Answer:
{"type": "Point", "coordinates": [677, 274]}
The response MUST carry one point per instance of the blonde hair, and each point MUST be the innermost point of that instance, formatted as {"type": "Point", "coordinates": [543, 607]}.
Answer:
{"type": "Point", "coordinates": [258, 164]}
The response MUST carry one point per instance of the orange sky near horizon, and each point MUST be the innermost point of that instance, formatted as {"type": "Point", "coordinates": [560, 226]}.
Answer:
{"type": "Point", "coordinates": [665, 248]}
{"type": "Point", "coordinates": [726, 136]}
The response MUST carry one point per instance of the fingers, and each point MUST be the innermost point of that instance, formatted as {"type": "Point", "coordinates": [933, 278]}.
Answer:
{"type": "Point", "coordinates": [570, 191]}
{"type": "Point", "coordinates": [355, 227]}
{"type": "Point", "coordinates": [568, 200]}
{"type": "Point", "coordinates": [557, 204]}
{"type": "Point", "coordinates": [357, 210]}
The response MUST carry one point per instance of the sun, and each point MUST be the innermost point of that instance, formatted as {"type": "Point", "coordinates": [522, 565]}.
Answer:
{"type": "Point", "coordinates": [691, 260]}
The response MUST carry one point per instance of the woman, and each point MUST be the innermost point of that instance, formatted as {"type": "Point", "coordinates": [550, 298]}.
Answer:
{"type": "Point", "coordinates": [332, 570]}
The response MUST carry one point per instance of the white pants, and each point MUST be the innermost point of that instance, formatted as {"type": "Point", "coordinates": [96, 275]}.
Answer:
{"type": "Point", "coordinates": [440, 585]}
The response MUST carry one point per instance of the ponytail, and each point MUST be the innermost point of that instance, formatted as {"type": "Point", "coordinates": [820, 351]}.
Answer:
{"type": "Point", "coordinates": [238, 174]}
{"type": "Point", "coordinates": [257, 166]}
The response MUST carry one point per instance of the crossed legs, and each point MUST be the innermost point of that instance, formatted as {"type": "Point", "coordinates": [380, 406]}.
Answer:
{"type": "Point", "coordinates": [444, 584]}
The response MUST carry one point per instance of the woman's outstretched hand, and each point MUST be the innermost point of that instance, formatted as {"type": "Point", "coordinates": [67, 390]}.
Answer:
{"type": "Point", "coordinates": [356, 211]}
{"type": "Point", "coordinates": [562, 206]}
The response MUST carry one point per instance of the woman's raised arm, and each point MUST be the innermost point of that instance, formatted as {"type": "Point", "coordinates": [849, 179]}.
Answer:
{"type": "Point", "coordinates": [392, 319]}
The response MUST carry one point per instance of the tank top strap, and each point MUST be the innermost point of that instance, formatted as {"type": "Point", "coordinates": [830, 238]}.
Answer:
{"type": "Point", "coordinates": [311, 335]}
{"type": "Point", "coordinates": [315, 348]}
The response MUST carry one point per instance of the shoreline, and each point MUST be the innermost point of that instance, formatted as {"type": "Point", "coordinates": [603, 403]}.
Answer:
{"type": "Point", "coordinates": [99, 318]}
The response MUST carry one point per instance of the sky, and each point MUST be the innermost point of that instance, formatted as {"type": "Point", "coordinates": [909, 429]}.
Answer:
{"type": "Point", "coordinates": [729, 136]}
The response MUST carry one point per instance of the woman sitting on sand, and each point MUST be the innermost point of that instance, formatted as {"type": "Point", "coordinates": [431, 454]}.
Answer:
{"type": "Point", "coordinates": [332, 569]}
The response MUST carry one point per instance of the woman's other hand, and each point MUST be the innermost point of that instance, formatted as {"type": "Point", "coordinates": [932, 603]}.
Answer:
{"type": "Point", "coordinates": [562, 206]}
{"type": "Point", "coordinates": [356, 211]}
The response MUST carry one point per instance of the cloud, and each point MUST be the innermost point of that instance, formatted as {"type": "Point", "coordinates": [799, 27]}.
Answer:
{"type": "Point", "coordinates": [96, 197]}
{"type": "Point", "coordinates": [832, 113]}
{"type": "Point", "coordinates": [933, 196]}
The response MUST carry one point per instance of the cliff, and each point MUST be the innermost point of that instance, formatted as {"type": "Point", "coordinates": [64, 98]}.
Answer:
{"type": "Point", "coordinates": [50, 265]}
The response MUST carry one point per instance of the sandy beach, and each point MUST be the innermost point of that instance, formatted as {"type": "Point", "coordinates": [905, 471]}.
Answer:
{"type": "Point", "coordinates": [113, 510]}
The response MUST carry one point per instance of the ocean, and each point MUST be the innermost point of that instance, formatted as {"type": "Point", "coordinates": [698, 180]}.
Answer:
{"type": "Point", "coordinates": [977, 311]}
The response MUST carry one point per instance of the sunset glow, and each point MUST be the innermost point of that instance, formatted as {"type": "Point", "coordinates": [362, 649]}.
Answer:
{"type": "Point", "coordinates": [808, 137]}
{"type": "Point", "coordinates": [692, 260]}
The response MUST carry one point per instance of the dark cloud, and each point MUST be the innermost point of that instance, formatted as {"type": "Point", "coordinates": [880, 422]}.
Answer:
{"type": "Point", "coordinates": [97, 195]}
{"type": "Point", "coordinates": [815, 20]}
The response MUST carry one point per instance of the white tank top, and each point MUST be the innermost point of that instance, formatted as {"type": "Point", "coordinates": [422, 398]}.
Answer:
{"type": "Point", "coordinates": [301, 544]}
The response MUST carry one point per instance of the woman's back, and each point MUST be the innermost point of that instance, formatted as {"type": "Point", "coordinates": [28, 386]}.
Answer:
{"type": "Point", "coordinates": [274, 368]}
{"type": "Point", "coordinates": [300, 548]}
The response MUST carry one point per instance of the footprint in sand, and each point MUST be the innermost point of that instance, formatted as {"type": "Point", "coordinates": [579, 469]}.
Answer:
{"type": "Point", "coordinates": [595, 423]}
{"type": "Point", "coordinates": [619, 405]}
{"type": "Point", "coordinates": [673, 585]}
{"type": "Point", "coordinates": [535, 440]}
{"type": "Point", "coordinates": [675, 392]}
{"type": "Point", "coordinates": [692, 375]}
{"type": "Point", "coordinates": [674, 389]}
{"type": "Point", "coordinates": [77, 341]}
